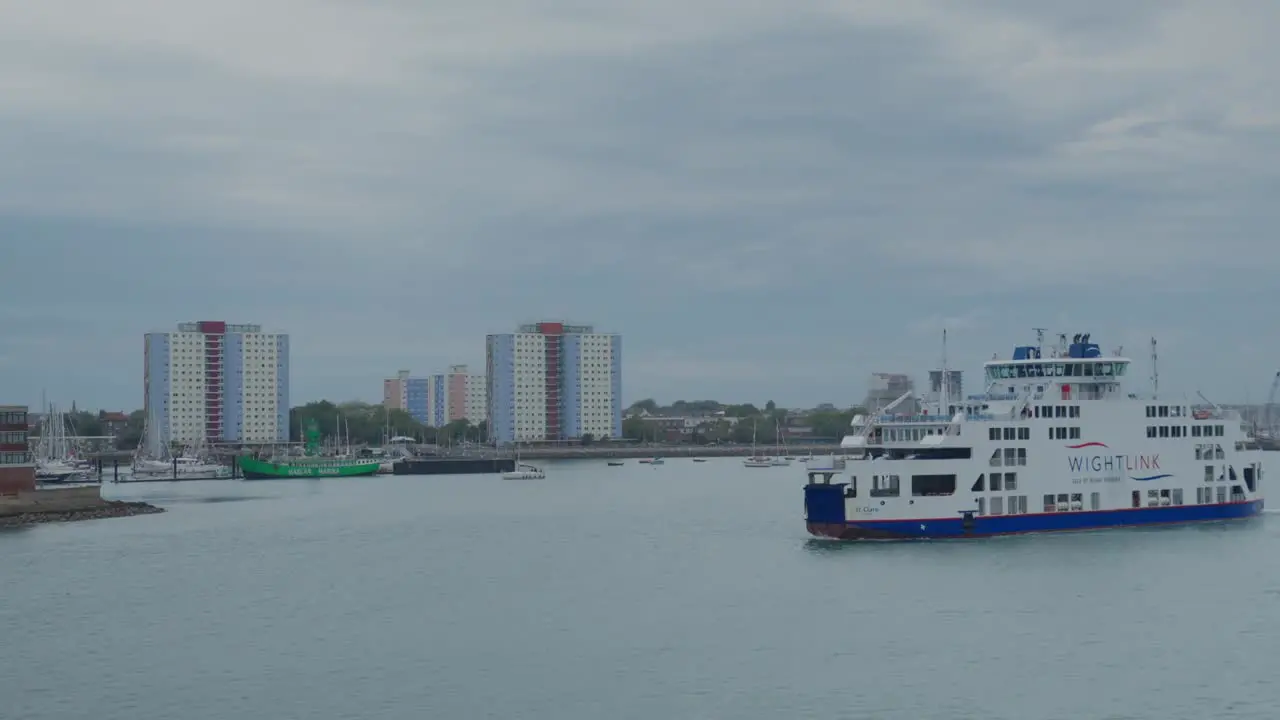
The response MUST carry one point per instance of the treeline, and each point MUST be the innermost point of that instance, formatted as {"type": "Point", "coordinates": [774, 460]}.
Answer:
{"type": "Point", "coordinates": [739, 421]}
{"type": "Point", "coordinates": [364, 423]}
{"type": "Point", "coordinates": [369, 423]}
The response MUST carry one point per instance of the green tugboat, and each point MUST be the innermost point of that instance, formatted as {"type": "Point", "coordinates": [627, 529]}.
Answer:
{"type": "Point", "coordinates": [311, 464]}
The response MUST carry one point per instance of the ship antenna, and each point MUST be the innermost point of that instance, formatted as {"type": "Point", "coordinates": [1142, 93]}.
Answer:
{"type": "Point", "coordinates": [942, 407]}
{"type": "Point", "coordinates": [1155, 372]}
{"type": "Point", "coordinates": [1039, 341]}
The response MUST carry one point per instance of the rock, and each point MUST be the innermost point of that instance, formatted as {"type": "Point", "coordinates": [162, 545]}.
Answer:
{"type": "Point", "coordinates": [113, 508]}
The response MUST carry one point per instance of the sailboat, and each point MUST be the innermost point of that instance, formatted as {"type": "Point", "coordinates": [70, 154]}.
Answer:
{"type": "Point", "coordinates": [756, 460]}
{"type": "Point", "coordinates": [523, 471]}
{"type": "Point", "coordinates": [779, 459]}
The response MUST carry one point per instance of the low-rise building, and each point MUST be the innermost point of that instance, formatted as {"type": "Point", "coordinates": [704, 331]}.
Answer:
{"type": "Point", "coordinates": [17, 467]}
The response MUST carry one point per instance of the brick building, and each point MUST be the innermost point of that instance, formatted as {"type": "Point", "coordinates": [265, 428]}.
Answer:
{"type": "Point", "coordinates": [17, 468]}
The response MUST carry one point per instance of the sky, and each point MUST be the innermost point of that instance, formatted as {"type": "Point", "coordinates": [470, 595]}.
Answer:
{"type": "Point", "coordinates": [768, 200]}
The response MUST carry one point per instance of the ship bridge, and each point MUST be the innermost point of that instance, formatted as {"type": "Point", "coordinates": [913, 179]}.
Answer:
{"type": "Point", "coordinates": [1076, 370]}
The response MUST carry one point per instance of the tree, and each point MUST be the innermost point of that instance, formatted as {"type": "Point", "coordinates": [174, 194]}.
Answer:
{"type": "Point", "coordinates": [648, 405]}
{"type": "Point", "coordinates": [770, 406]}
{"type": "Point", "coordinates": [633, 428]}
{"type": "Point", "coordinates": [587, 439]}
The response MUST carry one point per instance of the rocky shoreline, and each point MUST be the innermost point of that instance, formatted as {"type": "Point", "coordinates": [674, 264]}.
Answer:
{"type": "Point", "coordinates": [108, 509]}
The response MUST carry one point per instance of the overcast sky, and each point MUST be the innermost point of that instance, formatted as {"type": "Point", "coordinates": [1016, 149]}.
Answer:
{"type": "Point", "coordinates": [768, 200]}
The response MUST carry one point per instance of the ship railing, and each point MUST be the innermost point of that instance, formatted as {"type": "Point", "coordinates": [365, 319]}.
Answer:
{"type": "Point", "coordinates": [929, 419]}
{"type": "Point", "coordinates": [830, 463]}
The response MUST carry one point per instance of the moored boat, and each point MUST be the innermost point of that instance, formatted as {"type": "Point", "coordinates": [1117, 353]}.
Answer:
{"type": "Point", "coordinates": [1054, 444]}
{"type": "Point", "coordinates": [255, 469]}
{"type": "Point", "coordinates": [311, 464]}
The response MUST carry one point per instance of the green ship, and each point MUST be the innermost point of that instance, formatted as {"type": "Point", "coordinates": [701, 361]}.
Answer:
{"type": "Point", "coordinates": [311, 464]}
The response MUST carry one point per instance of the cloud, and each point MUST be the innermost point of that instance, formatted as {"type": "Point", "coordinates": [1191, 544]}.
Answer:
{"type": "Point", "coordinates": [732, 184]}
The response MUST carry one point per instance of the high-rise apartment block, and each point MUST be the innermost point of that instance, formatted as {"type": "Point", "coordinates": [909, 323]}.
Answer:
{"type": "Point", "coordinates": [884, 388]}
{"type": "Point", "coordinates": [17, 468]}
{"type": "Point", "coordinates": [216, 382]}
{"type": "Point", "coordinates": [437, 400]}
{"type": "Point", "coordinates": [551, 381]}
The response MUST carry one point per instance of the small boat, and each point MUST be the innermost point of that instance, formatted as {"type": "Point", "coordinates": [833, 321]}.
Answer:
{"type": "Point", "coordinates": [656, 461]}
{"type": "Point", "coordinates": [524, 472]}
{"type": "Point", "coordinates": [616, 463]}
{"type": "Point", "coordinates": [699, 459]}
{"type": "Point", "coordinates": [756, 460]}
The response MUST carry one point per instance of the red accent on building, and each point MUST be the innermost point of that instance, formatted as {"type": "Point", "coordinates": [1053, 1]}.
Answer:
{"type": "Point", "coordinates": [213, 354]}
{"type": "Point", "coordinates": [554, 340]}
{"type": "Point", "coordinates": [1066, 392]}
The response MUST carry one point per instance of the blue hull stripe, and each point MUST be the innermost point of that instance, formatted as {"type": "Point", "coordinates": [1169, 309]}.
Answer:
{"type": "Point", "coordinates": [1031, 523]}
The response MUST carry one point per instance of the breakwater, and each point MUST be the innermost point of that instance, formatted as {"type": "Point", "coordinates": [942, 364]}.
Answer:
{"type": "Point", "coordinates": [66, 504]}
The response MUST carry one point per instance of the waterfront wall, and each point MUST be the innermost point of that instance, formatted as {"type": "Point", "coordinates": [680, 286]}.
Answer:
{"type": "Point", "coordinates": [56, 500]}
{"type": "Point", "coordinates": [643, 451]}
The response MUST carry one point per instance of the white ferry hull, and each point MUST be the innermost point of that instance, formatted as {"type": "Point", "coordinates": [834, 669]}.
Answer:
{"type": "Point", "coordinates": [825, 505]}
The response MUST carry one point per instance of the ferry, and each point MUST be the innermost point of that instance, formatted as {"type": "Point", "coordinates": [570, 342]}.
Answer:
{"type": "Point", "coordinates": [1055, 443]}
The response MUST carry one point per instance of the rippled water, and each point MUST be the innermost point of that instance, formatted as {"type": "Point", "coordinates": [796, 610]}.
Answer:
{"type": "Point", "coordinates": [681, 591]}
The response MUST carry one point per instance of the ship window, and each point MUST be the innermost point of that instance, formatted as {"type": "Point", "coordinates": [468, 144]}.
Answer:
{"type": "Point", "coordinates": [1231, 473]}
{"type": "Point", "coordinates": [1164, 431]}
{"type": "Point", "coordinates": [1010, 457]}
{"type": "Point", "coordinates": [1077, 501]}
{"type": "Point", "coordinates": [1024, 433]}
{"type": "Point", "coordinates": [1060, 411]}
{"type": "Point", "coordinates": [1248, 479]}
{"type": "Point", "coordinates": [1074, 434]}
{"type": "Point", "coordinates": [884, 486]}
{"type": "Point", "coordinates": [1011, 481]}
{"type": "Point", "coordinates": [1208, 473]}
{"type": "Point", "coordinates": [979, 483]}
{"type": "Point", "coordinates": [1010, 433]}
{"type": "Point", "coordinates": [1022, 456]}
{"type": "Point", "coordinates": [995, 459]}
{"type": "Point", "coordinates": [1164, 496]}
{"type": "Point", "coordinates": [1151, 411]}
{"type": "Point", "coordinates": [982, 506]}
{"type": "Point", "coordinates": [1137, 498]}
{"type": "Point", "coordinates": [996, 480]}
{"type": "Point", "coordinates": [1163, 411]}
{"type": "Point", "coordinates": [993, 433]}
{"type": "Point", "coordinates": [1222, 493]}
{"type": "Point", "coordinates": [1062, 502]}
{"type": "Point", "coordinates": [1151, 431]}
{"type": "Point", "coordinates": [1153, 498]}
{"type": "Point", "coordinates": [1177, 496]}
{"type": "Point", "coordinates": [1048, 503]}
{"type": "Point", "coordinates": [997, 505]}
{"type": "Point", "coordinates": [1095, 501]}
{"type": "Point", "coordinates": [1217, 430]}
{"type": "Point", "coordinates": [931, 485]}
{"type": "Point", "coordinates": [1237, 493]}
{"type": "Point", "coordinates": [1217, 452]}
{"type": "Point", "coordinates": [1195, 431]}
{"type": "Point", "coordinates": [1022, 504]}
{"type": "Point", "coordinates": [1200, 495]}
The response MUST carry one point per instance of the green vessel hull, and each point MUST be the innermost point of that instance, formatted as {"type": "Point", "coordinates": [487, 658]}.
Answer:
{"type": "Point", "coordinates": [255, 469]}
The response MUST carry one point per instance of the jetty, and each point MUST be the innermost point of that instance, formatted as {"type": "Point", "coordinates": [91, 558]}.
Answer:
{"type": "Point", "coordinates": [85, 502]}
